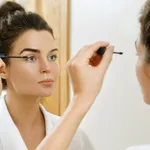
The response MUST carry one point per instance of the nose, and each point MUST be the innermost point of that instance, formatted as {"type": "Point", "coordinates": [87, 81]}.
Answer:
{"type": "Point", "coordinates": [44, 66]}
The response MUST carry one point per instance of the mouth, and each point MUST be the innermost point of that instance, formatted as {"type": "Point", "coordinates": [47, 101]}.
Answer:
{"type": "Point", "coordinates": [46, 82]}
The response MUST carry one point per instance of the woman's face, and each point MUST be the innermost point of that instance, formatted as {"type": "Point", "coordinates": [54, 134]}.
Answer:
{"type": "Point", "coordinates": [37, 74]}
{"type": "Point", "coordinates": [143, 71]}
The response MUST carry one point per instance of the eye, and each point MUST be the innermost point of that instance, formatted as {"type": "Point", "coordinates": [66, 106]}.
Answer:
{"type": "Point", "coordinates": [31, 59]}
{"type": "Point", "coordinates": [52, 57]}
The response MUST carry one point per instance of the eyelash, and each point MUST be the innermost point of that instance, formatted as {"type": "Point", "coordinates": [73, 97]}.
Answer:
{"type": "Point", "coordinates": [29, 57]}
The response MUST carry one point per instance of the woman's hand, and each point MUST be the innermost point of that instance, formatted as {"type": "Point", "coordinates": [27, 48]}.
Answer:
{"type": "Point", "coordinates": [86, 76]}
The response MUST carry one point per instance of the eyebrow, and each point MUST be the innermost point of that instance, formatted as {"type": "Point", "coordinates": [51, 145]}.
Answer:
{"type": "Point", "coordinates": [35, 50]}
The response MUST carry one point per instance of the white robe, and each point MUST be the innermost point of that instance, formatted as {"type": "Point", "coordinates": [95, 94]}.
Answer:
{"type": "Point", "coordinates": [11, 139]}
{"type": "Point", "coordinates": [140, 147]}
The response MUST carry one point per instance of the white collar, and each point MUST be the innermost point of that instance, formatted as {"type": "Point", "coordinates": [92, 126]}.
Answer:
{"type": "Point", "coordinates": [140, 147]}
{"type": "Point", "coordinates": [9, 134]}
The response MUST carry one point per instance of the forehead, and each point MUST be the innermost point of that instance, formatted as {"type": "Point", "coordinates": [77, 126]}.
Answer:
{"type": "Point", "coordinates": [41, 40]}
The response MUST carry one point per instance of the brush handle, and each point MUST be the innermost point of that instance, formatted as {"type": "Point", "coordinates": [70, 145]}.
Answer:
{"type": "Point", "coordinates": [102, 50]}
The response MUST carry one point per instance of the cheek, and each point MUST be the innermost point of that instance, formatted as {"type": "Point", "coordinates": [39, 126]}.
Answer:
{"type": "Point", "coordinates": [143, 75]}
{"type": "Point", "coordinates": [139, 70]}
{"type": "Point", "coordinates": [55, 70]}
{"type": "Point", "coordinates": [23, 75]}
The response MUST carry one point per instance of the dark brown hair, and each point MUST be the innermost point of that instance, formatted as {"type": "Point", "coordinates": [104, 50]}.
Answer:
{"type": "Point", "coordinates": [144, 20]}
{"type": "Point", "coordinates": [14, 21]}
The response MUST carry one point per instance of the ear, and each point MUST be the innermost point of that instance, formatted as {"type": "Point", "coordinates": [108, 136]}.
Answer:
{"type": "Point", "coordinates": [3, 72]}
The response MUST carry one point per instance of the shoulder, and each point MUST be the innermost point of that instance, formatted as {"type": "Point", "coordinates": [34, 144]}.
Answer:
{"type": "Point", "coordinates": [139, 147]}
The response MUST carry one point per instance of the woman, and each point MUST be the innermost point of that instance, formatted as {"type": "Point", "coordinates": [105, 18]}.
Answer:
{"type": "Point", "coordinates": [31, 73]}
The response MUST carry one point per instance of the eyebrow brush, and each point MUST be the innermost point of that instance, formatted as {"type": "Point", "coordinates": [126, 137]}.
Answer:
{"type": "Point", "coordinates": [102, 50]}
{"type": "Point", "coordinates": [5, 57]}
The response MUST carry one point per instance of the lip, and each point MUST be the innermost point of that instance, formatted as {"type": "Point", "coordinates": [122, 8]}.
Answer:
{"type": "Point", "coordinates": [46, 82]}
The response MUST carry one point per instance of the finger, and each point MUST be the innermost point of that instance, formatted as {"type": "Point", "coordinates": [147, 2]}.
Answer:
{"type": "Point", "coordinates": [107, 57]}
{"type": "Point", "coordinates": [93, 48]}
{"type": "Point", "coordinates": [81, 51]}
{"type": "Point", "coordinates": [77, 56]}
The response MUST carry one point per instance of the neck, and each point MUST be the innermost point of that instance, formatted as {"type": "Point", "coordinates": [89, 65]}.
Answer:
{"type": "Point", "coordinates": [24, 109]}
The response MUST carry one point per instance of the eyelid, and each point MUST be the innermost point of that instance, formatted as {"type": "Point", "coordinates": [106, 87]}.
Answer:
{"type": "Point", "coordinates": [53, 53]}
{"type": "Point", "coordinates": [37, 55]}
{"type": "Point", "coordinates": [31, 55]}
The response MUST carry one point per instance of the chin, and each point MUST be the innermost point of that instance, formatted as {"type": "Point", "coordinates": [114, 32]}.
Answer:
{"type": "Point", "coordinates": [147, 100]}
{"type": "Point", "coordinates": [146, 94]}
{"type": "Point", "coordinates": [146, 97]}
{"type": "Point", "coordinates": [47, 93]}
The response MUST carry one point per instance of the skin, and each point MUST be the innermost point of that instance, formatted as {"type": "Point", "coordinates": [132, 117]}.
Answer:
{"type": "Point", "coordinates": [143, 71]}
